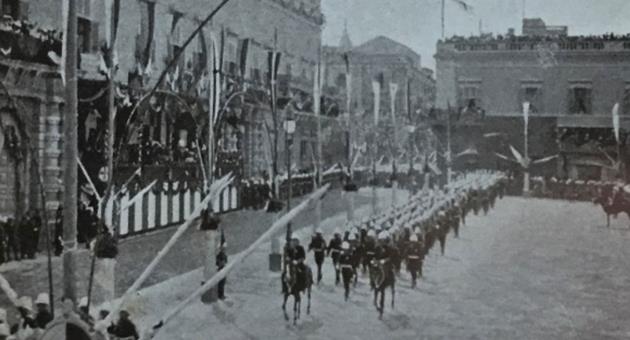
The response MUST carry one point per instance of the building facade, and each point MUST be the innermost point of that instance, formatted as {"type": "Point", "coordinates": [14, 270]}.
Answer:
{"type": "Point", "coordinates": [149, 34]}
{"type": "Point", "coordinates": [572, 84]}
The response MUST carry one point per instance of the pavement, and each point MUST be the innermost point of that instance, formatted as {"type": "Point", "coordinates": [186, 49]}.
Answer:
{"type": "Point", "coordinates": [531, 269]}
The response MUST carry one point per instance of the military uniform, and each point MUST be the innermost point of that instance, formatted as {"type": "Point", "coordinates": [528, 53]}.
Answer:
{"type": "Point", "coordinates": [334, 250]}
{"type": "Point", "coordinates": [318, 246]}
{"type": "Point", "coordinates": [221, 261]}
{"type": "Point", "coordinates": [347, 270]}
{"type": "Point", "coordinates": [415, 258]}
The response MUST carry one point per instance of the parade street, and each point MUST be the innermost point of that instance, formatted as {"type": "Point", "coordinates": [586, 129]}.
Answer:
{"type": "Point", "coordinates": [531, 269]}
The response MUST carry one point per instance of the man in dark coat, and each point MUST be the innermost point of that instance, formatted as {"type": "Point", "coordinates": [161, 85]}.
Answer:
{"type": "Point", "coordinates": [347, 269]}
{"type": "Point", "coordinates": [13, 240]}
{"type": "Point", "coordinates": [221, 262]}
{"type": "Point", "coordinates": [58, 231]}
{"type": "Point", "coordinates": [318, 246]}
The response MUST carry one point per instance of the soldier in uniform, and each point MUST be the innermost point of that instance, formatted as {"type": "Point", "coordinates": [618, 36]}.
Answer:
{"type": "Point", "coordinates": [58, 231]}
{"type": "Point", "coordinates": [415, 257]}
{"type": "Point", "coordinates": [347, 269]}
{"type": "Point", "coordinates": [369, 247]}
{"type": "Point", "coordinates": [441, 230]}
{"type": "Point", "coordinates": [318, 246]}
{"type": "Point", "coordinates": [334, 251]}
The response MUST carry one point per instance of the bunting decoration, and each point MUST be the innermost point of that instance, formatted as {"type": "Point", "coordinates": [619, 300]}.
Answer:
{"type": "Point", "coordinates": [146, 55]}
{"type": "Point", "coordinates": [376, 88]}
{"type": "Point", "coordinates": [273, 61]}
{"type": "Point", "coordinates": [244, 56]}
{"type": "Point", "coordinates": [526, 106]}
{"type": "Point", "coordinates": [346, 59]}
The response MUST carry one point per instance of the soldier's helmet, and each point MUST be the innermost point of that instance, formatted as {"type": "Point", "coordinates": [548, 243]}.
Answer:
{"type": "Point", "coordinates": [413, 238]}
{"type": "Point", "coordinates": [345, 246]}
{"type": "Point", "coordinates": [352, 237]}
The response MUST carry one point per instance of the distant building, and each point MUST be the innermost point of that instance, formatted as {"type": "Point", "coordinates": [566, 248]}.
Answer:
{"type": "Point", "coordinates": [385, 59]}
{"type": "Point", "coordinates": [571, 82]}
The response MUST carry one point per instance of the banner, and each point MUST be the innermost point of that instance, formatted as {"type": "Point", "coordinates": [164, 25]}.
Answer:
{"type": "Point", "coordinates": [376, 88]}
{"type": "Point", "coordinates": [615, 117]}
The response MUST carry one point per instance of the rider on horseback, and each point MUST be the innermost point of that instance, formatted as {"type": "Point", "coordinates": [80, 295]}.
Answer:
{"type": "Point", "coordinates": [295, 255]}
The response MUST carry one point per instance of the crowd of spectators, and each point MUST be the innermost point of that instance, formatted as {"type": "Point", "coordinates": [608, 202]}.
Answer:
{"type": "Point", "coordinates": [24, 40]}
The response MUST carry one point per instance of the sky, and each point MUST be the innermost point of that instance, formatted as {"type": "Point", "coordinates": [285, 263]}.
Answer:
{"type": "Point", "coordinates": [416, 23]}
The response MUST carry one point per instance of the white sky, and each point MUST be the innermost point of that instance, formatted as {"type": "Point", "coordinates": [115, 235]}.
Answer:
{"type": "Point", "coordinates": [416, 23]}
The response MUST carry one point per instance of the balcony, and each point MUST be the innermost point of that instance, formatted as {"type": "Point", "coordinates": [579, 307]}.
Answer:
{"type": "Point", "coordinates": [23, 41]}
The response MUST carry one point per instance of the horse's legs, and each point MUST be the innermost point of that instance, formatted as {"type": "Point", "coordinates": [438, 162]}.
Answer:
{"type": "Point", "coordinates": [393, 294]}
{"type": "Point", "coordinates": [284, 304]}
{"type": "Point", "coordinates": [375, 294]}
{"type": "Point", "coordinates": [308, 303]}
{"type": "Point", "coordinates": [296, 307]}
{"type": "Point", "coordinates": [382, 302]}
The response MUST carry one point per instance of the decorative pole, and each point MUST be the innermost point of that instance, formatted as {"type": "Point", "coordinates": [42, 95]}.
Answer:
{"type": "Point", "coordinates": [70, 156]}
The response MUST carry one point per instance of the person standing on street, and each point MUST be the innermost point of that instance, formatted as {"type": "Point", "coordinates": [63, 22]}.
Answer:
{"type": "Point", "coordinates": [221, 262]}
{"type": "Point", "coordinates": [13, 244]}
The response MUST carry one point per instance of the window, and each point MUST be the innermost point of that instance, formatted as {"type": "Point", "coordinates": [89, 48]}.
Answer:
{"type": "Point", "coordinates": [580, 100]}
{"type": "Point", "coordinates": [11, 8]}
{"type": "Point", "coordinates": [469, 98]}
{"type": "Point", "coordinates": [84, 32]}
{"type": "Point", "coordinates": [533, 95]}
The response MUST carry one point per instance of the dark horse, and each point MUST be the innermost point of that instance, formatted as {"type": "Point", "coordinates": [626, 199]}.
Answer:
{"type": "Point", "coordinates": [294, 282]}
{"type": "Point", "coordinates": [613, 206]}
{"type": "Point", "coordinates": [382, 275]}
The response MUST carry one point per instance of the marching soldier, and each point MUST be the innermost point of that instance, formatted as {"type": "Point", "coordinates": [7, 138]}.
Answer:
{"type": "Point", "coordinates": [26, 327]}
{"type": "Point", "coordinates": [318, 246]}
{"type": "Point", "coordinates": [369, 247]}
{"type": "Point", "coordinates": [334, 251]}
{"type": "Point", "coordinates": [347, 269]}
{"type": "Point", "coordinates": [415, 257]}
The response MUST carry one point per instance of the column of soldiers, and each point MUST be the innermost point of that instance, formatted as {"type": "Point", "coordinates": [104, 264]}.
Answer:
{"type": "Point", "coordinates": [406, 233]}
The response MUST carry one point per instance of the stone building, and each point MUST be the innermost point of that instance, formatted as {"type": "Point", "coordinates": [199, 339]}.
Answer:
{"type": "Point", "coordinates": [149, 34]}
{"type": "Point", "coordinates": [571, 82]}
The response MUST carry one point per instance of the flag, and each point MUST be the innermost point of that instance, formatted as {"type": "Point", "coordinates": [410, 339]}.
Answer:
{"type": "Point", "coordinates": [146, 55]}
{"type": "Point", "coordinates": [393, 90]}
{"type": "Point", "coordinates": [64, 45]}
{"type": "Point", "coordinates": [202, 67]}
{"type": "Point", "coordinates": [463, 5]}
{"type": "Point", "coordinates": [318, 82]}
{"type": "Point", "coordinates": [112, 15]}
{"type": "Point", "coordinates": [216, 81]}
{"type": "Point", "coordinates": [376, 88]}
{"type": "Point", "coordinates": [273, 63]}
{"type": "Point", "coordinates": [526, 106]}
{"type": "Point", "coordinates": [346, 59]}
{"type": "Point", "coordinates": [615, 117]}
{"type": "Point", "coordinates": [244, 55]}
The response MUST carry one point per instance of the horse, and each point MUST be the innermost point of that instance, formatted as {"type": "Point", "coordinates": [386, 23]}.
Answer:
{"type": "Point", "coordinates": [612, 207]}
{"type": "Point", "coordinates": [382, 275]}
{"type": "Point", "coordinates": [294, 283]}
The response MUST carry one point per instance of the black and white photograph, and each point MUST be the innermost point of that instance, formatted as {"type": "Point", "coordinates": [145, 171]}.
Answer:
{"type": "Point", "coordinates": [314, 169]}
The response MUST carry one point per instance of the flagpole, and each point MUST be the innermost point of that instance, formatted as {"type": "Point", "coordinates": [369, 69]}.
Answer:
{"type": "Point", "coordinates": [318, 113]}
{"type": "Point", "coordinates": [443, 14]}
{"type": "Point", "coordinates": [70, 156]}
